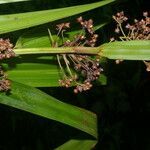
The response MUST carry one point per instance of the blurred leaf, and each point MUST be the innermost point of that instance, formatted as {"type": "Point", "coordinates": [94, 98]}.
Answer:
{"type": "Point", "coordinates": [37, 102]}
{"type": "Point", "coordinates": [96, 27]}
{"type": "Point", "coordinates": [15, 22]}
{"type": "Point", "coordinates": [44, 72]}
{"type": "Point", "coordinates": [35, 38]}
{"type": "Point", "coordinates": [78, 145]}
{"type": "Point", "coordinates": [102, 79]}
{"type": "Point", "coordinates": [39, 37]}
{"type": "Point", "coordinates": [35, 74]}
{"type": "Point", "coordinates": [11, 1]}
{"type": "Point", "coordinates": [33, 41]}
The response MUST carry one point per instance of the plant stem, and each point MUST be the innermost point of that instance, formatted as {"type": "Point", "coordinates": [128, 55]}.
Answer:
{"type": "Point", "coordinates": [126, 50]}
{"type": "Point", "coordinates": [67, 65]}
{"type": "Point", "coordinates": [63, 72]}
{"type": "Point", "coordinates": [58, 50]}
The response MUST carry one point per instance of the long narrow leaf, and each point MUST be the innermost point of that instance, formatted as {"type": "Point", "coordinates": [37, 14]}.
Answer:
{"type": "Point", "coordinates": [38, 37]}
{"type": "Point", "coordinates": [11, 1]}
{"type": "Point", "coordinates": [34, 101]}
{"type": "Point", "coordinates": [78, 145]}
{"type": "Point", "coordinates": [37, 72]}
{"type": "Point", "coordinates": [127, 50]}
{"type": "Point", "coordinates": [15, 22]}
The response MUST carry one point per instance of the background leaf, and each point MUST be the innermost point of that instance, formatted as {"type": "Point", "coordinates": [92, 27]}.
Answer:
{"type": "Point", "coordinates": [15, 22]}
{"type": "Point", "coordinates": [39, 37]}
{"type": "Point", "coordinates": [11, 1]}
{"type": "Point", "coordinates": [44, 72]}
{"type": "Point", "coordinates": [77, 145]}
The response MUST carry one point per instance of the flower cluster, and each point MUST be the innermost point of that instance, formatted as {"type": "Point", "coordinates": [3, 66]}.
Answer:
{"type": "Point", "coordinates": [86, 69]}
{"type": "Point", "coordinates": [6, 49]}
{"type": "Point", "coordinates": [139, 30]}
{"type": "Point", "coordinates": [87, 25]}
{"type": "Point", "coordinates": [120, 17]}
{"type": "Point", "coordinates": [4, 82]}
{"type": "Point", "coordinates": [89, 69]}
{"type": "Point", "coordinates": [62, 26]}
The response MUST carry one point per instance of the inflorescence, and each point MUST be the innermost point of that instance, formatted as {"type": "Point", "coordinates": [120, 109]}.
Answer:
{"type": "Point", "coordinates": [6, 51]}
{"type": "Point", "coordinates": [4, 82]}
{"type": "Point", "coordinates": [86, 69]}
{"type": "Point", "coordinates": [139, 30]}
{"type": "Point", "coordinates": [84, 66]}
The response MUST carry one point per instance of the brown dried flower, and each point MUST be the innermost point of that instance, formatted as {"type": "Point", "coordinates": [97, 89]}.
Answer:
{"type": "Point", "coordinates": [6, 49]}
{"type": "Point", "coordinates": [4, 85]}
{"type": "Point", "coordinates": [139, 30]}
{"type": "Point", "coordinates": [120, 18]}
{"type": "Point", "coordinates": [4, 82]}
{"type": "Point", "coordinates": [87, 68]}
{"type": "Point", "coordinates": [63, 26]}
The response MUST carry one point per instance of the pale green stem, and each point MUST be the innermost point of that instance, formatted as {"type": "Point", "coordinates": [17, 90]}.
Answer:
{"type": "Point", "coordinates": [58, 59]}
{"type": "Point", "coordinates": [50, 36]}
{"type": "Point", "coordinates": [58, 50]}
{"type": "Point", "coordinates": [129, 50]}
{"type": "Point", "coordinates": [67, 65]}
{"type": "Point", "coordinates": [120, 26]}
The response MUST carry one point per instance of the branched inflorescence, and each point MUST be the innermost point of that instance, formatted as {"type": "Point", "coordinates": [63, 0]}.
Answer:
{"type": "Point", "coordinates": [4, 82]}
{"type": "Point", "coordinates": [139, 30]}
{"type": "Point", "coordinates": [6, 51]}
{"type": "Point", "coordinates": [87, 68]}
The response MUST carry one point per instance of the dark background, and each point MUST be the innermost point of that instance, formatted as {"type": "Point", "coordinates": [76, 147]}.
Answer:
{"type": "Point", "coordinates": [122, 106]}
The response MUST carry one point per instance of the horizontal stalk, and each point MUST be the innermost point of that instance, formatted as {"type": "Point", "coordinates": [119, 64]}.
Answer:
{"type": "Point", "coordinates": [127, 50]}
{"type": "Point", "coordinates": [58, 50]}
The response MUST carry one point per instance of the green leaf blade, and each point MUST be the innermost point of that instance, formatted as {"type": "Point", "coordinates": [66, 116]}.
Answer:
{"type": "Point", "coordinates": [77, 145]}
{"type": "Point", "coordinates": [34, 101]}
{"type": "Point", "coordinates": [11, 1]}
{"type": "Point", "coordinates": [15, 22]}
{"type": "Point", "coordinates": [126, 50]}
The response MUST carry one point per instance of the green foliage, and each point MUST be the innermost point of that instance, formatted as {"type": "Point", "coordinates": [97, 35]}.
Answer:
{"type": "Point", "coordinates": [11, 1]}
{"type": "Point", "coordinates": [36, 66]}
{"type": "Point", "coordinates": [39, 74]}
{"type": "Point", "coordinates": [15, 22]}
{"type": "Point", "coordinates": [33, 100]}
{"type": "Point", "coordinates": [127, 50]}
{"type": "Point", "coordinates": [77, 144]}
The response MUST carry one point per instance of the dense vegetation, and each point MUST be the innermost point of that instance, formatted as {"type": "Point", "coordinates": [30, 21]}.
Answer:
{"type": "Point", "coordinates": [64, 85]}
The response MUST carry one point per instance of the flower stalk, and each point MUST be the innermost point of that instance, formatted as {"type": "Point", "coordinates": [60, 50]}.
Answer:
{"type": "Point", "coordinates": [58, 50]}
{"type": "Point", "coordinates": [127, 50]}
